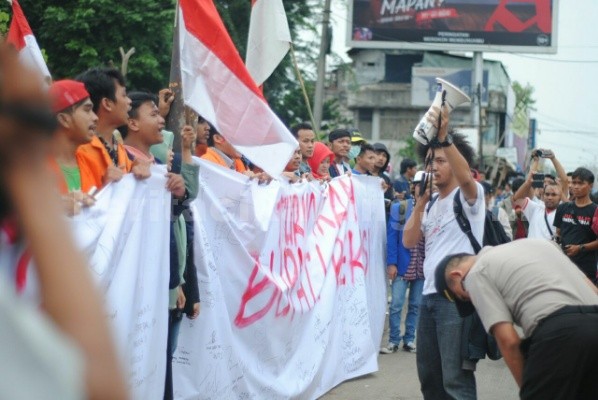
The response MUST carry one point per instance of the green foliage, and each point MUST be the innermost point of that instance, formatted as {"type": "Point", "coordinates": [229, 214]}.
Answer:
{"type": "Point", "coordinates": [79, 34]}
{"type": "Point", "coordinates": [283, 90]}
{"type": "Point", "coordinates": [524, 99]}
{"type": "Point", "coordinates": [4, 18]}
{"type": "Point", "coordinates": [524, 103]}
{"type": "Point", "coordinates": [410, 149]}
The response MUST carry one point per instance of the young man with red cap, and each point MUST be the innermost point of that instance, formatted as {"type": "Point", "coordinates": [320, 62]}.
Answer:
{"type": "Point", "coordinates": [76, 126]}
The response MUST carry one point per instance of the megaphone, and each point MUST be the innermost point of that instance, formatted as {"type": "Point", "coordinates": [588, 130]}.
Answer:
{"type": "Point", "coordinates": [446, 93]}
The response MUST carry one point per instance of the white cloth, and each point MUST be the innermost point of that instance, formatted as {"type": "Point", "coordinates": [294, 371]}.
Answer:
{"type": "Point", "coordinates": [443, 235]}
{"type": "Point", "coordinates": [503, 218]}
{"type": "Point", "coordinates": [534, 212]}
{"type": "Point", "coordinates": [36, 360]}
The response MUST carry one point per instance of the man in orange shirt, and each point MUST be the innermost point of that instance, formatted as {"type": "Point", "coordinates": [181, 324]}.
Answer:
{"type": "Point", "coordinates": [104, 158]}
{"type": "Point", "coordinates": [221, 152]}
{"type": "Point", "coordinates": [203, 134]}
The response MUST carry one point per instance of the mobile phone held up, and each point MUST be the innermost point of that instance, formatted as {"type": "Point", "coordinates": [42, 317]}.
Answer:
{"type": "Point", "coordinates": [537, 180]}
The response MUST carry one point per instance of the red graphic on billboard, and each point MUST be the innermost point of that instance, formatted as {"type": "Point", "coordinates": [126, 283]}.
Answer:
{"type": "Point", "coordinates": [454, 23]}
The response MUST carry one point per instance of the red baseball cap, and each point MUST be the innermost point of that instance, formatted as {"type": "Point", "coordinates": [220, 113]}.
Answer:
{"type": "Point", "coordinates": [65, 93]}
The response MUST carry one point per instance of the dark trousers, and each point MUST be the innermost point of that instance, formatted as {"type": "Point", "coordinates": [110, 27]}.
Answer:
{"type": "Point", "coordinates": [561, 357]}
{"type": "Point", "coordinates": [174, 323]}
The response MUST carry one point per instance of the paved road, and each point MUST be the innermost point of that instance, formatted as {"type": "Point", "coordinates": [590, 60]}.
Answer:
{"type": "Point", "coordinates": [397, 379]}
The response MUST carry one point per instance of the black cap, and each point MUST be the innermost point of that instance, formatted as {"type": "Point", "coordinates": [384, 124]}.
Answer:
{"type": "Point", "coordinates": [337, 134]}
{"type": "Point", "coordinates": [465, 308]}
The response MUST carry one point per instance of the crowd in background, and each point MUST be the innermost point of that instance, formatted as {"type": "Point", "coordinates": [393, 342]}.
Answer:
{"type": "Point", "coordinates": [96, 133]}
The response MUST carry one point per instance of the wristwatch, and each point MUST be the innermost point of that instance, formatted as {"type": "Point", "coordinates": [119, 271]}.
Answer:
{"type": "Point", "coordinates": [582, 248]}
{"type": "Point", "coordinates": [447, 141]}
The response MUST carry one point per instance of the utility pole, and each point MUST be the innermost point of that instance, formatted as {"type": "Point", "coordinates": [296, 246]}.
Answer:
{"type": "Point", "coordinates": [476, 104]}
{"type": "Point", "coordinates": [319, 96]}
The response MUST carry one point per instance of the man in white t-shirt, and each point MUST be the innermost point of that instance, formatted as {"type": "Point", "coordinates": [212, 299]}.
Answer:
{"type": "Point", "coordinates": [533, 284]}
{"type": "Point", "coordinates": [539, 214]}
{"type": "Point", "coordinates": [441, 370]}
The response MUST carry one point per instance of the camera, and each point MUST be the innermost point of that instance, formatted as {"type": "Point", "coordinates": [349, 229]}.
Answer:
{"type": "Point", "coordinates": [542, 153]}
{"type": "Point", "coordinates": [537, 180]}
{"type": "Point", "coordinates": [421, 179]}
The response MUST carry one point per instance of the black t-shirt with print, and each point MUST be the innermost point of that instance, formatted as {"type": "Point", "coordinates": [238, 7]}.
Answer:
{"type": "Point", "coordinates": [575, 224]}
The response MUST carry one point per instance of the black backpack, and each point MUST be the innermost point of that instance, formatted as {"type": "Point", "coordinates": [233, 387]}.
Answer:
{"type": "Point", "coordinates": [494, 233]}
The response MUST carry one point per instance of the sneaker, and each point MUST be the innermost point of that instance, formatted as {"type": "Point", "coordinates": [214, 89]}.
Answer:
{"type": "Point", "coordinates": [409, 347]}
{"type": "Point", "coordinates": [390, 348]}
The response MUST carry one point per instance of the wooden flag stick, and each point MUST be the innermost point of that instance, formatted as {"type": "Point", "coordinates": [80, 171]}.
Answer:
{"type": "Point", "coordinates": [303, 89]}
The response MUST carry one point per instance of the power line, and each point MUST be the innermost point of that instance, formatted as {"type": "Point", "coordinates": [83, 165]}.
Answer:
{"type": "Point", "coordinates": [555, 60]}
{"type": "Point", "coordinates": [569, 131]}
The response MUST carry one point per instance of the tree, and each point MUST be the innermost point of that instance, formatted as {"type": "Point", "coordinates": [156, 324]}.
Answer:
{"type": "Point", "coordinates": [79, 34]}
{"type": "Point", "coordinates": [4, 18]}
{"type": "Point", "coordinates": [410, 149]}
{"type": "Point", "coordinates": [282, 90]}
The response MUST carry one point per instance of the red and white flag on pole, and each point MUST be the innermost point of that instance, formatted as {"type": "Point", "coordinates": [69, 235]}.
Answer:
{"type": "Point", "coordinates": [217, 85]}
{"type": "Point", "coordinates": [21, 36]}
{"type": "Point", "coordinates": [269, 38]}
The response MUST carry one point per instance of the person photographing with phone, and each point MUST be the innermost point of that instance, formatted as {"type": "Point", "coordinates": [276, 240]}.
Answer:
{"type": "Point", "coordinates": [540, 214]}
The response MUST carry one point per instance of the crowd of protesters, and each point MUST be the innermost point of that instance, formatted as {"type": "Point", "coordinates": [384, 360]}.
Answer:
{"type": "Point", "coordinates": [98, 133]}
{"type": "Point", "coordinates": [428, 248]}
{"type": "Point", "coordinates": [95, 133]}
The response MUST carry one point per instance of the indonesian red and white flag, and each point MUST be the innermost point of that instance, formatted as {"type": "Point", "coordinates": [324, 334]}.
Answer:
{"type": "Point", "coordinates": [269, 38]}
{"type": "Point", "coordinates": [217, 85]}
{"type": "Point", "coordinates": [21, 36]}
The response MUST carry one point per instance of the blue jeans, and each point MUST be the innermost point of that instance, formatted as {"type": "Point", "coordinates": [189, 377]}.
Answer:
{"type": "Point", "coordinates": [398, 291]}
{"type": "Point", "coordinates": [439, 352]}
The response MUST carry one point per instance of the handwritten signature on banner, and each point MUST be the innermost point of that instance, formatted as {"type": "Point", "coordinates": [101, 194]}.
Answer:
{"type": "Point", "coordinates": [294, 273]}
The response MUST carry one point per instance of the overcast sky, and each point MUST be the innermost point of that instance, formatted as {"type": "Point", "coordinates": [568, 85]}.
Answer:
{"type": "Point", "coordinates": [566, 84]}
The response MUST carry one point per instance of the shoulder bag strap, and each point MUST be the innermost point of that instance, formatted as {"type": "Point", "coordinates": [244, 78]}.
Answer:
{"type": "Point", "coordinates": [547, 224]}
{"type": "Point", "coordinates": [463, 222]}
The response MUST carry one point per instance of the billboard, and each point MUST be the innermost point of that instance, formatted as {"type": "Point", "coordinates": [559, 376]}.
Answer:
{"type": "Point", "coordinates": [467, 25]}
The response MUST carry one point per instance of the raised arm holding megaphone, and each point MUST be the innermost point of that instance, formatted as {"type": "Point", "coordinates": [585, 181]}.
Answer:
{"type": "Point", "coordinates": [446, 93]}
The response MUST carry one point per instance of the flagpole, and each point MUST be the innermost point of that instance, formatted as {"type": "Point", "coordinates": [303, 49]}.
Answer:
{"type": "Point", "coordinates": [319, 95]}
{"type": "Point", "coordinates": [177, 115]}
{"type": "Point", "coordinates": [303, 89]}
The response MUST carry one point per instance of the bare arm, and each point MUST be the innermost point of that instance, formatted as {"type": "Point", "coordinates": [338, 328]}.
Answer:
{"type": "Point", "coordinates": [188, 138]}
{"type": "Point", "coordinates": [574, 249]}
{"type": "Point", "coordinates": [560, 172]}
{"type": "Point", "coordinates": [522, 193]}
{"type": "Point", "coordinates": [69, 296]}
{"type": "Point", "coordinates": [508, 342]}
{"type": "Point", "coordinates": [458, 164]}
{"type": "Point", "coordinates": [413, 233]}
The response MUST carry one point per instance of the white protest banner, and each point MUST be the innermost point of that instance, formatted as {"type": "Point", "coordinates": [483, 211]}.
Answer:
{"type": "Point", "coordinates": [292, 284]}
{"type": "Point", "coordinates": [126, 235]}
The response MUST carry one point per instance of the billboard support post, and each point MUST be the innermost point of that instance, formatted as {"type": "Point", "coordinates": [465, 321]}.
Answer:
{"type": "Point", "coordinates": [476, 104]}
{"type": "Point", "coordinates": [319, 95]}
